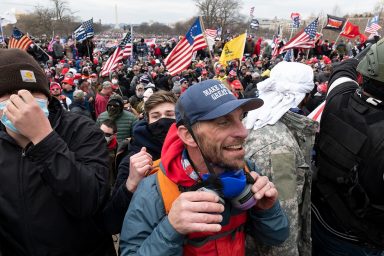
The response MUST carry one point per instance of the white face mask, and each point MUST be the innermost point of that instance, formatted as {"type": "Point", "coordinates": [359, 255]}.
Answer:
{"type": "Point", "coordinates": [115, 81]}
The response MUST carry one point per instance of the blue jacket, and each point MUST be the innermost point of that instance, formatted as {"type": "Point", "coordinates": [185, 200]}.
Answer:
{"type": "Point", "coordinates": [147, 231]}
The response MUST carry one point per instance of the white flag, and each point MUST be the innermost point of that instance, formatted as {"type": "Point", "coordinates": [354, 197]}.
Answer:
{"type": "Point", "coordinates": [8, 17]}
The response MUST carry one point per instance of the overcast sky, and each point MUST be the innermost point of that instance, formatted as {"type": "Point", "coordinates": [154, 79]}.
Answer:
{"type": "Point", "coordinates": [171, 11]}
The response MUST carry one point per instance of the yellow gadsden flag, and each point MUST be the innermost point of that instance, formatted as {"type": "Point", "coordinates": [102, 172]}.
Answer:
{"type": "Point", "coordinates": [233, 49]}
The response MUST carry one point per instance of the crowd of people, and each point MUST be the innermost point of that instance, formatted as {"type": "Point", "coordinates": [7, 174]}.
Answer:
{"type": "Point", "coordinates": [220, 159]}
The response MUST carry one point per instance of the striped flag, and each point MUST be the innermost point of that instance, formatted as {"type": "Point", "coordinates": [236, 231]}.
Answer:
{"type": "Point", "coordinates": [127, 42]}
{"type": "Point", "coordinates": [305, 39]}
{"type": "Point", "coordinates": [84, 31]}
{"type": "Point", "coordinates": [317, 113]}
{"type": "Point", "coordinates": [212, 33]}
{"type": "Point", "coordinates": [19, 40]}
{"type": "Point", "coordinates": [181, 56]}
{"type": "Point", "coordinates": [373, 25]}
{"type": "Point", "coordinates": [117, 55]}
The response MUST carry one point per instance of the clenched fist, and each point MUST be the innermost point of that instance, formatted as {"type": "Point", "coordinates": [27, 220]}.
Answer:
{"type": "Point", "coordinates": [196, 211]}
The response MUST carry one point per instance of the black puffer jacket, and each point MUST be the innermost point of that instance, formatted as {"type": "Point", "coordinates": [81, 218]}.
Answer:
{"type": "Point", "coordinates": [52, 193]}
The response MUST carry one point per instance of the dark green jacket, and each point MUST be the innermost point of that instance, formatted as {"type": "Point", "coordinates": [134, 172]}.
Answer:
{"type": "Point", "coordinates": [124, 124]}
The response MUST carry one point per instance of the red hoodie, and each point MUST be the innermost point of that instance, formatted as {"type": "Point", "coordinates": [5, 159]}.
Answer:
{"type": "Point", "coordinates": [171, 158]}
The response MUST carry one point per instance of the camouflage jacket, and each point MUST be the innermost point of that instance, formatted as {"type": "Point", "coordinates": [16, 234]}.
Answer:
{"type": "Point", "coordinates": [282, 152]}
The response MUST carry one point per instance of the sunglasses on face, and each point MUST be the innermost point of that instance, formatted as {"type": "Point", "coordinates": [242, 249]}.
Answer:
{"type": "Point", "coordinates": [108, 134]}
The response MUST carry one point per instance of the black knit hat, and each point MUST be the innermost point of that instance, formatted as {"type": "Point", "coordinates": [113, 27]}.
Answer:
{"type": "Point", "coordinates": [18, 70]}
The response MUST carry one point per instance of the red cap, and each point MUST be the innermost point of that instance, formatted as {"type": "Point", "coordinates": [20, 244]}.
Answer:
{"type": "Point", "coordinates": [68, 80]}
{"type": "Point", "coordinates": [77, 76]}
{"type": "Point", "coordinates": [54, 85]}
{"type": "Point", "coordinates": [64, 71]}
{"type": "Point", "coordinates": [236, 84]}
{"type": "Point", "coordinates": [204, 71]}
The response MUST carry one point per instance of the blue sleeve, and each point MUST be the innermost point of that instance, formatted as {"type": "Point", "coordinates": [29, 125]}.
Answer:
{"type": "Point", "coordinates": [146, 229]}
{"type": "Point", "coordinates": [270, 227]}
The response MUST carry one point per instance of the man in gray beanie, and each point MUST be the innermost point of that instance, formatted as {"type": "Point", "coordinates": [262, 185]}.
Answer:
{"type": "Point", "coordinates": [53, 168]}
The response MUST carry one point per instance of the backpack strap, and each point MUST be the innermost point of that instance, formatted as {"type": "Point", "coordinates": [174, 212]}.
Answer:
{"type": "Point", "coordinates": [168, 189]}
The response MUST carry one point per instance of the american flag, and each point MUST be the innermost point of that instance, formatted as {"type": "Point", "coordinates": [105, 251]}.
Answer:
{"type": "Point", "coordinates": [127, 44]}
{"type": "Point", "coordinates": [117, 55]}
{"type": "Point", "coordinates": [212, 33]}
{"type": "Point", "coordinates": [181, 56]}
{"type": "Point", "coordinates": [19, 40]}
{"type": "Point", "coordinates": [304, 39]}
{"type": "Point", "coordinates": [276, 41]}
{"type": "Point", "coordinates": [84, 31]}
{"type": "Point", "coordinates": [373, 25]}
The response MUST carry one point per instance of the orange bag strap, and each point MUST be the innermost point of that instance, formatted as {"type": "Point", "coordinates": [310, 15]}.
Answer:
{"type": "Point", "coordinates": [168, 189]}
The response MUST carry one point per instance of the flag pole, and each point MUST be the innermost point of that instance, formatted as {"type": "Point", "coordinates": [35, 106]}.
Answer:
{"type": "Point", "coordinates": [340, 32]}
{"type": "Point", "coordinates": [378, 16]}
{"type": "Point", "coordinates": [325, 19]}
{"type": "Point", "coordinates": [49, 56]}
{"type": "Point", "coordinates": [291, 33]}
{"type": "Point", "coordinates": [2, 33]}
{"type": "Point", "coordinates": [205, 38]}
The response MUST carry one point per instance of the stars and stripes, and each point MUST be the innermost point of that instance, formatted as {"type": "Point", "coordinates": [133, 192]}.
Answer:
{"type": "Point", "coordinates": [181, 56]}
{"type": "Point", "coordinates": [19, 40]}
{"type": "Point", "coordinates": [84, 31]}
{"type": "Point", "coordinates": [373, 25]}
{"type": "Point", "coordinates": [212, 33]}
{"type": "Point", "coordinates": [126, 43]}
{"type": "Point", "coordinates": [124, 49]}
{"type": "Point", "coordinates": [304, 39]}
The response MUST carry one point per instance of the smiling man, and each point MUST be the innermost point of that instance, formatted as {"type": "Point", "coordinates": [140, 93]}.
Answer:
{"type": "Point", "coordinates": [203, 199]}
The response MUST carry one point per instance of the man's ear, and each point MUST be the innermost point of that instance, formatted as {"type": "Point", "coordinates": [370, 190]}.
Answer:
{"type": "Point", "coordinates": [186, 136]}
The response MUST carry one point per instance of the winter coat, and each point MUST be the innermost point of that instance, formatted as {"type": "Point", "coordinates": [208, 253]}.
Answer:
{"type": "Point", "coordinates": [52, 193]}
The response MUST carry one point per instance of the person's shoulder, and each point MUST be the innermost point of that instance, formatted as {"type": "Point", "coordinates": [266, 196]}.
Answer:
{"type": "Point", "coordinates": [129, 115]}
{"type": "Point", "coordinates": [75, 122]}
{"type": "Point", "coordinates": [148, 189]}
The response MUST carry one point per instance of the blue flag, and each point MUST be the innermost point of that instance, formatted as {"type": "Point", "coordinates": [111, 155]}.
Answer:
{"type": "Point", "coordinates": [84, 31]}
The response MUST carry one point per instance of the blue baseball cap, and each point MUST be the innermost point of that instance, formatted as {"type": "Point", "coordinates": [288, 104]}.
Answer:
{"type": "Point", "coordinates": [209, 100]}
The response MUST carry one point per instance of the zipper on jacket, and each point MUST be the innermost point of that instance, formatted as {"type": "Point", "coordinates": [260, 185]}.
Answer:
{"type": "Point", "coordinates": [24, 209]}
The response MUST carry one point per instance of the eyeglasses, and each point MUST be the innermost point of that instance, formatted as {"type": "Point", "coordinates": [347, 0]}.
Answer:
{"type": "Point", "coordinates": [106, 134]}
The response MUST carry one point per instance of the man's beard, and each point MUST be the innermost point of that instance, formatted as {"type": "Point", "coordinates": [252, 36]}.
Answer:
{"type": "Point", "coordinates": [215, 156]}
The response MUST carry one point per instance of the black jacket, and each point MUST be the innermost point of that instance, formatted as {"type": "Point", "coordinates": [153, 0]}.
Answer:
{"type": "Point", "coordinates": [114, 212]}
{"type": "Point", "coordinates": [52, 193]}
